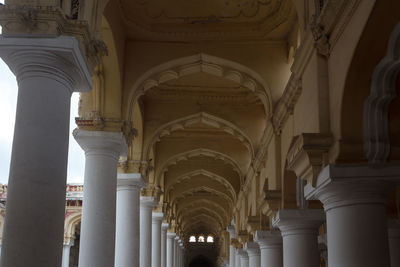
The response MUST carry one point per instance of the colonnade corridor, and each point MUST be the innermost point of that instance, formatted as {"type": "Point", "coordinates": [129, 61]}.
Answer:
{"type": "Point", "coordinates": [240, 133]}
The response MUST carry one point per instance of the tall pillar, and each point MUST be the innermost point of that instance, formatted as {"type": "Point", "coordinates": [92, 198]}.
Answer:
{"type": "Point", "coordinates": [146, 207]}
{"type": "Point", "coordinates": [170, 249]}
{"type": "Point", "coordinates": [127, 219]}
{"type": "Point", "coordinates": [394, 242]}
{"type": "Point", "coordinates": [66, 254]}
{"type": "Point", "coordinates": [48, 70]}
{"type": "Point", "coordinates": [102, 151]}
{"type": "Point", "coordinates": [232, 234]}
{"type": "Point", "coordinates": [156, 239]}
{"type": "Point", "coordinates": [354, 198]}
{"type": "Point", "coordinates": [299, 230]}
{"type": "Point", "coordinates": [164, 229]}
{"type": "Point", "coordinates": [176, 251]}
{"type": "Point", "coordinates": [271, 248]}
{"type": "Point", "coordinates": [244, 258]}
{"type": "Point", "coordinates": [237, 257]}
{"type": "Point", "coordinates": [253, 251]}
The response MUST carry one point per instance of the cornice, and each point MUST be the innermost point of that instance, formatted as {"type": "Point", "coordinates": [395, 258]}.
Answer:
{"type": "Point", "coordinates": [308, 155]}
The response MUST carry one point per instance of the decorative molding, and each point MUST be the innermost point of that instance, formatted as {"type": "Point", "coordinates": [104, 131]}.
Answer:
{"type": "Point", "coordinates": [50, 21]}
{"type": "Point", "coordinates": [196, 203]}
{"type": "Point", "coordinates": [196, 153]}
{"type": "Point", "coordinates": [376, 106]}
{"type": "Point", "coordinates": [253, 223]}
{"type": "Point", "coordinates": [286, 104]}
{"type": "Point", "coordinates": [270, 201]}
{"type": "Point", "coordinates": [201, 117]}
{"type": "Point", "coordinates": [200, 63]}
{"type": "Point", "coordinates": [247, 22]}
{"type": "Point", "coordinates": [307, 155]}
{"type": "Point", "coordinates": [213, 176]}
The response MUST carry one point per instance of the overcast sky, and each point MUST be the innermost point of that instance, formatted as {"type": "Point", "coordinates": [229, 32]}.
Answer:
{"type": "Point", "coordinates": [8, 103]}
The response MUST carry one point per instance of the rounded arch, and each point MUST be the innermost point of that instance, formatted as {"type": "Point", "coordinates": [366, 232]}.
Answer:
{"type": "Point", "coordinates": [192, 192]}
{"type": "Point", "coordinates": [174, 69]}
{"type": "Point", "coordinates": [190, 216]}
{"type": "Point", "coordinates": [199, 152]}
{"type": "Point", "coordinates": [213, 176]}
{"type": "Point", "coordinates": [71, 221]}
{"type": "Point", "coordinates": [374, 36]}
{"type": "Point", "coordinates": [198, 202]}
{"type": "Point", "coordinates": [384, 88]}
{"type": "Point", "coordinates": [201, 117]}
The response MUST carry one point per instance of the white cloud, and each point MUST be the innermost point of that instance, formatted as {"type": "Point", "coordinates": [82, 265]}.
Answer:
{"type": "Point", "coordinates": [8, 101]}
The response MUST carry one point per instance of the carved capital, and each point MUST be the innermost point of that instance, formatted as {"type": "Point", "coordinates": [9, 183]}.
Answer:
{"type": "Point", "coordinates": [50, 21]}
{"type": "Point", "coordinates": [307, 155]}
{"type": "Point", "coordinates": [253, 223]}
{"type": "Point", "coordinates": [270, 201]}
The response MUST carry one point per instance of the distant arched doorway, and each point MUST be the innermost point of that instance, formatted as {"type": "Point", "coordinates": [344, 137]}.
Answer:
{"type": "Point", "coordinates": [201, 261]}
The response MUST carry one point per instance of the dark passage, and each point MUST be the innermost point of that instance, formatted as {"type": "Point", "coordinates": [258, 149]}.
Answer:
{"type": "Point", "coordinates": [201, 261]}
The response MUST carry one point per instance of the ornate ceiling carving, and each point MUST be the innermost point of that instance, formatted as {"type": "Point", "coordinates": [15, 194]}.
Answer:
{"type": "Point", "coordinates": [202, 20]}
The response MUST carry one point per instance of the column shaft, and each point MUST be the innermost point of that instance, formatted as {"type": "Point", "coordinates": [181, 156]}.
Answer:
{"type": "Point", "coordinates": [232, 234]}
{"type": "Point", "coordinates": [299, 230]}
{"type": "Point", "coordinates": [156, 239]}
{"type": "Point", "coordinates": [237, 257]}
{"type": "Point", "coordinates": [253, 251]}
{"type": "Point", "coordinates": [164, 228]}
{"type": "Point", "coordinates": [97, 242]}
{"type": "Point", "coordinates": [354, 199]}
{"type": "Point", "coordinates": [127, 219]}
{"type": "Point", "coordinates": [48, 70]}
{"type": "Point", "coordinates": [170, 249]}
{"type": "Point", "coordinates": [146, 207]}
{"type": "Point", "coordinates": [270, 247]}
{"type": "Point", "coordinates": [65, 255]}
{"type": "Point", "coordinates": [394, 242]}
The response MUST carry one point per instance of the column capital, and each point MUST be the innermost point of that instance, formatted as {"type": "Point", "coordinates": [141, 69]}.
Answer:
{"type": "Point", "coordinates": [242, 253]}
{"type": "Point", "coordinates": [339, 186]}
{"type": "Point", "coordinates": [267, 239]}
{"type": "Point", "coordinates": [171, 235]}
{"type": "Point", "coordinates": [157, 216]}
{"type": "Point", "coordinates": [101, 143]}
{"type": "Point", "coordinates": [130, 181]}
{"type": "Point", "coordinates": [164, 226]}
{"type": "Point", "coordinates": [292, 222]}
{"type": "Point", "coordinates": [252, 249]}
{"type": "Point", "coordinates": [57, 58]}
{"type": "Point", "coordinates": [147, 202]}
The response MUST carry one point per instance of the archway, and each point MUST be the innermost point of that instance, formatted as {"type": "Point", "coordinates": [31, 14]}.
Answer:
{"type": "Point", "coordinates": [201, 261]}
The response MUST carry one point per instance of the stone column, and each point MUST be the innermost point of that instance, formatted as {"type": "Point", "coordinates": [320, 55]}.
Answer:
{"type": "Point", "coordinates": [102, 151]}
{"type": "Point", "coordinates": [232, 235]}
{"type": "Point", "coordinates": [244, 258]}
{"type": "Point", "coordinates": [164, 228]}
{"type": "Point", "coordinates": [176, 251]}
{"type": "Point", "coordinates": [354, 199]}
{"type": "Point", "coordinates": [127, 219]}
{"type": "Point", "coordinates": [270, 243]}
{"type": "Point", "coordinates": [170, 249]}
{"type": "Point", "coordinates": [394, 242]}
{"type": "Point", "coordinates": [156, 239]}
{"type": "Point", "coordinates": [48, 70]}
{"type": "Point", "coordinates": [66, 254]}
{"type": "Point", "coordinates": [146, 207]}
{"type": "Point", "coordinates": [253, 251]}
{"type": "Point", "coordinates": [237, 257]}
{"type": "Point", "coordinates": [299, 230]}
